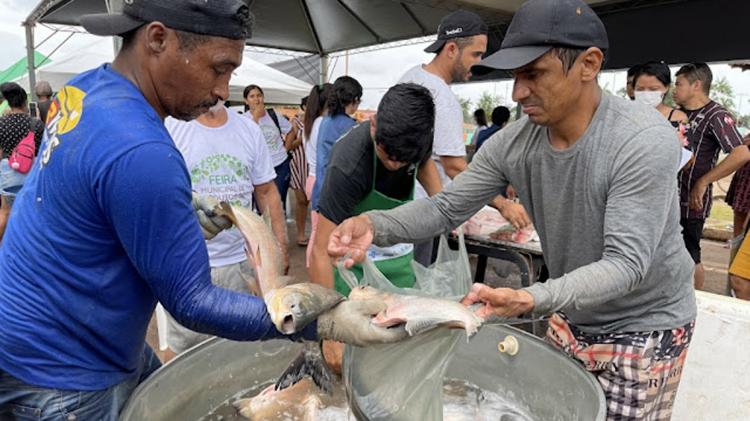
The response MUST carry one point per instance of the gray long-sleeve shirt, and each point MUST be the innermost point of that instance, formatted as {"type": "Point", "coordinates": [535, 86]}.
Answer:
{"type": "Point", "coordinates": [606, 210]}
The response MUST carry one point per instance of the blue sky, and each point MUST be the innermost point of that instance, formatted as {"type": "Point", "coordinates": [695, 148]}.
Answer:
{"type": "Point", "coordinates": [376, 70]}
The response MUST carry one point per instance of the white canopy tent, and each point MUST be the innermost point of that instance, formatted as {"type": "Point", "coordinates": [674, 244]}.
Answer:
{"type": "Point", "coordinates": [279, 88]}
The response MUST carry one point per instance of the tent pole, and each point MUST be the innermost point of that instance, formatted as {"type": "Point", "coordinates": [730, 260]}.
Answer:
{"type": "Point", "coordinates": [30, 59]}
{"type": "Point", "coordinates": [323, 68]}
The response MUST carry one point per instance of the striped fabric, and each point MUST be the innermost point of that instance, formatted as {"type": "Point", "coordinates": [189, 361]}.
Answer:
{"type": "Point", "coordinates": [712, 128]}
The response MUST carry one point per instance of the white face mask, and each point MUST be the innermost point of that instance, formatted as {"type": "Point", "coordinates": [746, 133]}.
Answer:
{"type": "Point", "coordinates": [651, 98]}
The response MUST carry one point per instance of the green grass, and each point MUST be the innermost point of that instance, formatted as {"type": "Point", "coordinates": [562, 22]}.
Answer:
{"type": "Point", "coordinates": [722, 215]}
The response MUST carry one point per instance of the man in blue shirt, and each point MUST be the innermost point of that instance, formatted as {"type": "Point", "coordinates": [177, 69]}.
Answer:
{"type": "Point", "coordinates": [500, 117]}
{"type": "Point", "coordinates": [104, 226]}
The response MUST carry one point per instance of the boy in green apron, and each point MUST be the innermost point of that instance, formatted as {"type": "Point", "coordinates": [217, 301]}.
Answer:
{"type": "Point", "coordinates": [376, 166]}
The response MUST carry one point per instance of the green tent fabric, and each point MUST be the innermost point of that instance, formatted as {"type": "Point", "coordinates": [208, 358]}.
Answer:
{"type": "Point", "coordinates": [20, 68]}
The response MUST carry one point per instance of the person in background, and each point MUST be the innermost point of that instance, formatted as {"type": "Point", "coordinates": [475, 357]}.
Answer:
{"type": "Point", "coordinates": [43, 92]}
{"type": "Point", "coordinates": [629, 86]}
{"type": "Point", "coordinates": [343, 101]}
{"type": "Point", "coordinates": [345, 97]}
{"type": "Point", "coordinates": [14, 126]}
{"type": "Point", "coordinates": [738, 195]}
{"type": "Point", "coordinates": [317, 108]}
{"type": "Point", "coordinates": [711, 129]}
{"type": "Point", "coordinates": [652, 83]}
{"type": "Point", "coordinates": [298, 168]}
{"type": "Point", "coordinates": [500, 117]}
{"type": "Point", "coordinates": [279, 135]}
{"type": "Point", "coordinates": [597, 174]}
{"type": "Point", "coordinates": [739, 270]}
{"type": "Point", "coordinates": [480, 119]}
{"type": "Point", "coordinates": [461, 42]}
{"type": "Point", "coordinates": [228, 160]}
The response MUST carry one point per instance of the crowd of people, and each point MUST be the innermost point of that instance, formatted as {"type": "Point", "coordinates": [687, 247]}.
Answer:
{"type": "Point", "coordinates": [619, 193]}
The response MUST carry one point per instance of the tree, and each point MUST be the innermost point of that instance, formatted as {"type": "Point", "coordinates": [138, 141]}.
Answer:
{"type": "Point", "coordinates": [722, 92]}
{"type": "Point", "coordinates": [488, 102]}
{"type": "Point", "coordinates": [466, 108]}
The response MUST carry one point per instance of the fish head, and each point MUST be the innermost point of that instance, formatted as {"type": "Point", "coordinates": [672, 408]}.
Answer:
{"type": "Point", "coordinates": [294, 306]}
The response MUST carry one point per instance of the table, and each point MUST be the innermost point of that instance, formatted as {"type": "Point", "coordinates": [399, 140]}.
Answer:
{"type": "Point", "coordinates": [527, 257]}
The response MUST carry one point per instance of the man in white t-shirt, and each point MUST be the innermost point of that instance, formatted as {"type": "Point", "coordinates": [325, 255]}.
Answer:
{"type": "Point", "coordinates": [462, 40]}
{"type": "Point", "coordinates": [228, 160]}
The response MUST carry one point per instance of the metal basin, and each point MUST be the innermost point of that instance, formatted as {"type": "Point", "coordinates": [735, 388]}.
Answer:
{"type": "Point", "coordinates": [540, 378]}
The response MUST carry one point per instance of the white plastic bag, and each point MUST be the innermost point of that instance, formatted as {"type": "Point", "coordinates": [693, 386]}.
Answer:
{"type": "Point", "coordinates": [404, 381]}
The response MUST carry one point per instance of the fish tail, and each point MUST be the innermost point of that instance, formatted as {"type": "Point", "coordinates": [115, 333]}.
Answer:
{"type": "Point", "coordinates": [310, 363]}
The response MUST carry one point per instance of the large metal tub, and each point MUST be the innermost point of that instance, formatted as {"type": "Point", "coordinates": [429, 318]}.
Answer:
{"type": "Point", "coordinates": [551, 385]}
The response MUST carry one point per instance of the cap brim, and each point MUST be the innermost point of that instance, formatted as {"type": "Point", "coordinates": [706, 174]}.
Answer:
{"type": "Point", "coordinates": [435, 46]}
{"type": "Point", "coordinates": [109, 24]}
{"type": "Point", "coordinates": [510, 58]}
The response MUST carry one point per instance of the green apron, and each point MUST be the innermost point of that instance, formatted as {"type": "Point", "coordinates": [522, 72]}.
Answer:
{"type": "Point", "coordinates": [394, 261]}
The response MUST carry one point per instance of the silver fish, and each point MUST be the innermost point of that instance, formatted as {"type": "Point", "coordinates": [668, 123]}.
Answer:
{"type": "Point", "coordinates": [419, 314]}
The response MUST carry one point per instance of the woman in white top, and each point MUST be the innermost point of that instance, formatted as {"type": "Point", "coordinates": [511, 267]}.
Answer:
{"type": "Point", "coordinates": [277, 131]}
{"type": "Point", "coordinates": [316, 108]}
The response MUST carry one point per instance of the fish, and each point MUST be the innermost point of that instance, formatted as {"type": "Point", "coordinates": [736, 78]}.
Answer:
{"type": "Point", "coordinates": [419, 314]}
{"type": "Point", "coordinates": [301, 401]}
{"type": "Point", "coordinates": [510, 233]}
{"type": "Point", "coordinates": [291, 304]}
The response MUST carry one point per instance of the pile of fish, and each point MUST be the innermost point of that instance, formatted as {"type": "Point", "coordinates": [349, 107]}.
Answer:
{"type": "Point", "coordinates": [292, 305]}
{"type": "Point", "coordinates": [488, 222]}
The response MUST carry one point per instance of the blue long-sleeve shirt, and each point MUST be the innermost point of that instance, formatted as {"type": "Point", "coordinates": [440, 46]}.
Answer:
{"type": "Point", "coordinates": [331, 130]}
{"type": "Point", "coordinates": [102, 229]}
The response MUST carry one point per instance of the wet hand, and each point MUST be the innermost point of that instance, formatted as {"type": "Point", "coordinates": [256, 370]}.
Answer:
{"type": "Point", "coordinates": [501, 302]}
{"type": "Point", "coordinates": [515, 214]}
{"type": "Point", "coordinates": [351, 238]}
{"type": "Point", "coordinates": [697, 194]}
{"type": "Point", "coordinates": [210, 221]}
{"type": "Point", "coordinates": [351, 322]}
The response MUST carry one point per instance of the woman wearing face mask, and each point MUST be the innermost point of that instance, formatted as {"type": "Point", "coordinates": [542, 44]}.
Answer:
{"type": "Point", "coordinates": [652, 82]}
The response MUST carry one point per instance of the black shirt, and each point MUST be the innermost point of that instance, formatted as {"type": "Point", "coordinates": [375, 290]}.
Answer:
{"type": "Point", "coordinates": [349, 176]}
{"type": "Point", "coordinates": [14, 127]}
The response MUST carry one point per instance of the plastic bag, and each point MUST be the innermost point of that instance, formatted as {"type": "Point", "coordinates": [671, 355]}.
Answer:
{"type": "Point", "coordinates": [404, 381]}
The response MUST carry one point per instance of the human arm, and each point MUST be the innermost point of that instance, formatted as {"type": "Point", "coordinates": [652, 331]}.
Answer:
{"type": "Point", "coordinates": [734, 161]}
{"type": "Point", "coordinates": [292, 138]}
{"type": "Point", "coordinates": [423, 219]}
{"type": "Point", "coordinates": [269, 201]}
{"type": "Point", "coordinates": [321, 271]}
{"type": "Point", "coordinates": [428, 176]}
{"type": "Point", "coordinates": [149, 209]}
{"type": "Point", "coordinates": [453, 165]}
{"type": "Point", "coordinates": [513, 212]}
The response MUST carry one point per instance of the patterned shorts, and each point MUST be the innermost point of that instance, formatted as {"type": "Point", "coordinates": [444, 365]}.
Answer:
{"type": "Point", "coordinates": [639, 372]}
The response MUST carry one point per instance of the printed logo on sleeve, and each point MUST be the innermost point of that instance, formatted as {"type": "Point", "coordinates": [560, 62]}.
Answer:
{"type": "Point", "coordinates": [65, 112]}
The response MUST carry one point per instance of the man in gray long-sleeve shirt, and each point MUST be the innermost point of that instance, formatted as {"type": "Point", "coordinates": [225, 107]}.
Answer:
{"type": "Point", "coordinates": [597, 175]}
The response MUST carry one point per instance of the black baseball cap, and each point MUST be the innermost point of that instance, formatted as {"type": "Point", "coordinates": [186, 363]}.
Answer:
{"type": "Point", "coordinates": [221, 18]}
{"type": "Point", "coordinates": [540, 25]}
{"type": "Point", "coordinates": [458, 24]}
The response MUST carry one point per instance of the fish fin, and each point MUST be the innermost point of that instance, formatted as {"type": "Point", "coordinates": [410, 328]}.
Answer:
{"type": "Point", "coordinates": [310, 363]}
{"type": "Point", "coordinates": [416, 327]}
